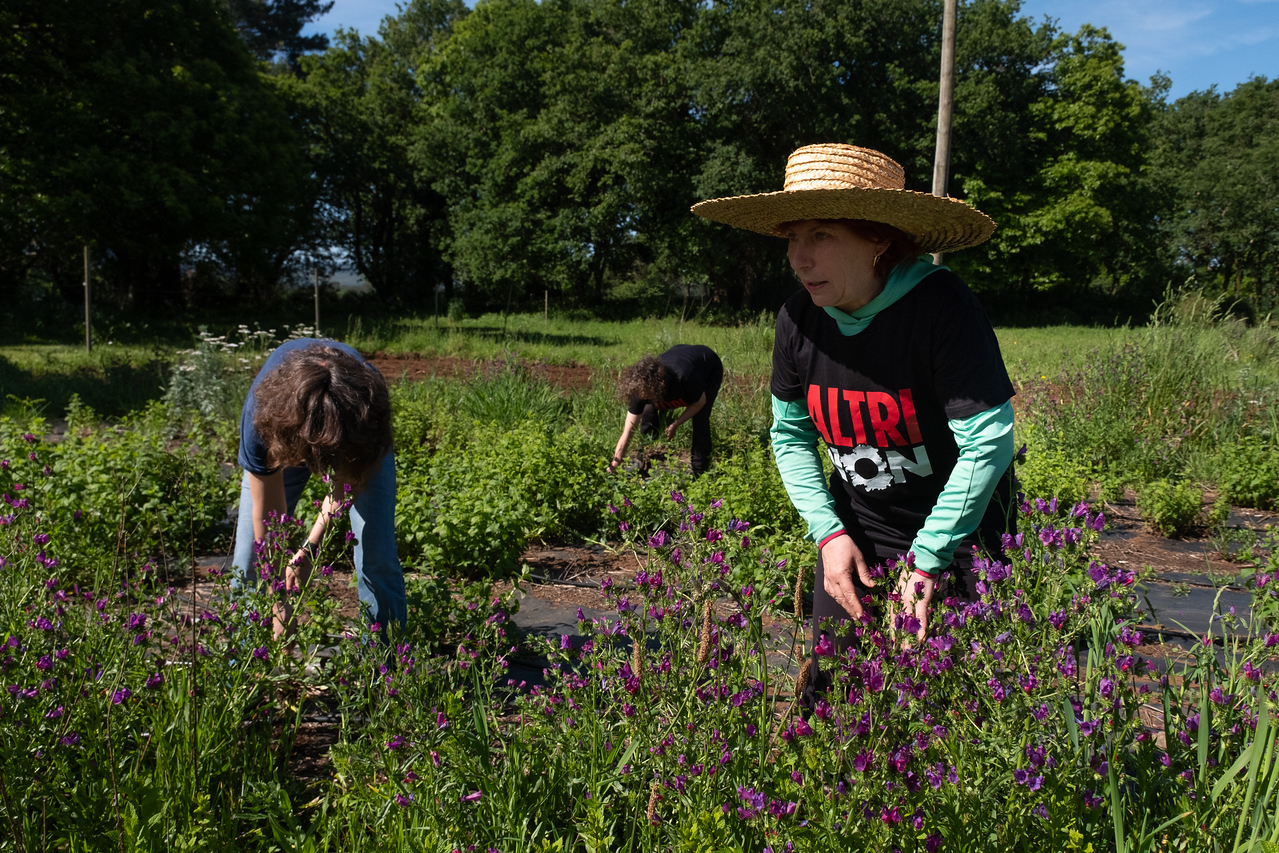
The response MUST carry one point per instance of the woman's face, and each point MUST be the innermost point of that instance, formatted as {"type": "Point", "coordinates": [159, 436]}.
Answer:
{"type": "Point", "coordinates": [834, 263]}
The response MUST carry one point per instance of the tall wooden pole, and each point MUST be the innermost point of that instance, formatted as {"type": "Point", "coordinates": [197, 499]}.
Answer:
{"type": "Point", "coordinates": [945, 105]}
{"type": "Point", "coordinates": [88, 315]}
{"type": "Point", "coordinates": [315, 278]}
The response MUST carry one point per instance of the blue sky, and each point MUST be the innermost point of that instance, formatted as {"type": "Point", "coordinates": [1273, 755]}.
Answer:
{"type": "Point", "coordinates": [1196, 42]}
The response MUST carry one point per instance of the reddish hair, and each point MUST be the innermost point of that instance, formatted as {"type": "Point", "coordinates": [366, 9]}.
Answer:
{"type": "Point", "coordinates": [901, 246]}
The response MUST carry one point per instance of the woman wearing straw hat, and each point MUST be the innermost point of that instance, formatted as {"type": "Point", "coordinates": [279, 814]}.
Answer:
{"type": "Point", "coordinates": [892, 364]}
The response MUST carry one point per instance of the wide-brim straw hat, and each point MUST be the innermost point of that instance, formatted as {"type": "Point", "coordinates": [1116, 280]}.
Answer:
{"type": "Point", "coordinates": [835, 181]}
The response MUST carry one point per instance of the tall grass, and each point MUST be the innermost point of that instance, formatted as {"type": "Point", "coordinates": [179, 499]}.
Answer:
{"type": "Point", "coordinates": [1179, 400]}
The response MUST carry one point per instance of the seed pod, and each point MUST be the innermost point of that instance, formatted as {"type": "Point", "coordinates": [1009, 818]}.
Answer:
{"type": "Point", "coordinates": [653, 797]}
{"type": "Point", "coordinates": [637, 658]}
{"type": "Point", "coordinates": [704, 649]}
{"type": "Point", "coordinates": [799, 590]}
{"type": "Point", "coordinates": [805, 675]}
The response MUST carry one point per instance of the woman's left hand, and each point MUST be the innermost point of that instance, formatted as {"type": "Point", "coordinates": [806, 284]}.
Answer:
{"type": "Point", "coordinates": [298, 571]}
{"type": "Point", "coordinates": [670, 430]}
{"type": "Point", "coordinates": [917, 593]}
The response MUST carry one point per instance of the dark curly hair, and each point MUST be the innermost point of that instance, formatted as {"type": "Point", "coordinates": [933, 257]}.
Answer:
{"type": "Point", "coordinates": [647, 379]}
{"type": "Point", "coordinates": [325, 409]}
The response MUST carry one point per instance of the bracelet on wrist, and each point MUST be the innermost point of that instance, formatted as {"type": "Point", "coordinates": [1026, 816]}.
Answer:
{"type": "Point", "coordinates": [835, 535]}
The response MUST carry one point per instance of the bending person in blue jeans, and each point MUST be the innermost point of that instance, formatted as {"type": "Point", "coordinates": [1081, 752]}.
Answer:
{"type": "Point", "coordinates": [318, 407]}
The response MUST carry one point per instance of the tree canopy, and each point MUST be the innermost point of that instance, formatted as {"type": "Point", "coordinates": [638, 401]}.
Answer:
{"type": "Point", "coordinates": [143, 129]}
{"type": "Point", "coordinates": [1219, 158]}
{"type": "Point", "coordinates": [206, 147]}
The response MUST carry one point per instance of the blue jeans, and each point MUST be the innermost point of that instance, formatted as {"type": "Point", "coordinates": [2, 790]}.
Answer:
{"type": "Point", "coordinates": [377, 561]}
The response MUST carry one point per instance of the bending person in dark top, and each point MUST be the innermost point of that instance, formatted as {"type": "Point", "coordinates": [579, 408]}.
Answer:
{"type": "Point", "coordinates": [686, 376]}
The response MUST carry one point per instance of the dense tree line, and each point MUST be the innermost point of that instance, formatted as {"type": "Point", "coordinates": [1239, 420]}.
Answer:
{"type": "Point", "coordinates": [206, 150]}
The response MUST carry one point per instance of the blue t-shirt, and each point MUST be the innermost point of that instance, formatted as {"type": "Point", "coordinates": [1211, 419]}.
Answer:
{"type": "Point", "coordinates": [253, 455]}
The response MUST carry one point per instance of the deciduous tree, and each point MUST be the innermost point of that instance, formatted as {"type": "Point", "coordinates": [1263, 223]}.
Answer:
{"type": "Point", "coordinates": [1219, 155]}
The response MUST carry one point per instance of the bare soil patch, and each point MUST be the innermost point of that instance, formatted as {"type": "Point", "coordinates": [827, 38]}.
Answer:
{"type": "Point", "coordinates": [570, 576]}
{"type": "Point", "coordinates": [1129, 542]}
{"type": "Point", "coordinates": [416, 366]}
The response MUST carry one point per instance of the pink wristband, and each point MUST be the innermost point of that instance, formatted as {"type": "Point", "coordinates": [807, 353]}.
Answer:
{"type": "Point", "coordinates": [925, 575]}
{"type": "Point", "coordinates": [822, 544]}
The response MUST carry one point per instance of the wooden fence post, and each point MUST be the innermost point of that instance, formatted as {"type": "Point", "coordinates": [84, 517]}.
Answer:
{"type": "Point", "coordinates": [945, 106]}
{"type": "Point", "coordinates": [88, 315]}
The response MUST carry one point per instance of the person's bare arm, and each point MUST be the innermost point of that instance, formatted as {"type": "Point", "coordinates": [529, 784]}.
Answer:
{"type": "Point", "coordinates": [628, 429]}
{"type": "Point", "coordinates": [267, 492]}
{"type": "Point", "coordinates": [689, 411]}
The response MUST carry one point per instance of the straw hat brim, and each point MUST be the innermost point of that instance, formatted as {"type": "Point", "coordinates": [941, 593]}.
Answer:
{"type": "Point", "coordinates": [938, 224]}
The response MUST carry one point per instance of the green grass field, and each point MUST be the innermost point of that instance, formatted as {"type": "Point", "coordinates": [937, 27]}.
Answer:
{"type": "Point", "coordinates": [746, 349]}
{"type": "Point", "coordinates": [117, 379]}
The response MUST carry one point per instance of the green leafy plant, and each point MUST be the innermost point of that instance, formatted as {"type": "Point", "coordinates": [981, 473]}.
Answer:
{"type": "Point", "coordinates": [1234, 544]}
{"type": "Point", "coordinates": [1250, 472]}
{"type": "Point", "coordinates": [1052, 470]}
{"type": "Point", "coordinates": [1171, 509]}
{"type": "Point", "coordinates": [151, 484]}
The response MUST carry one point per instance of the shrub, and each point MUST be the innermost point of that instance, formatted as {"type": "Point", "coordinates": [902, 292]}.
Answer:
{"type": "Point", "coordinates": [471, 507]}
{"type": "Point", "coordinates": [1171, 509]}
{"type": "Point", "coordinates": [1051, 470]}
{"type": "Point", "coordinates": [148, 485]}
{"type": "Point", "coordinates": [1250, 472]}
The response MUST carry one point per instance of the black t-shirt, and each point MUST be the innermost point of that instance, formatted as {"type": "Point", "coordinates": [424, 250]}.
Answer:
{"type": "Point", "coordinates": [694, 365]}
{"type": "Point", "coordinates": [881, 398]}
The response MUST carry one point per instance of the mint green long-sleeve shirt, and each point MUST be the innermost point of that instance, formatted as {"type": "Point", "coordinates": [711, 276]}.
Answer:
{"type": "Point", "coordinates": [985, 451]}
{"type": "Point", "coordinates": [985, 442]}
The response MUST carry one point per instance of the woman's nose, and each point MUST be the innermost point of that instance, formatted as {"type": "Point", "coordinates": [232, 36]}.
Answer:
{"type": "Point", "coordinates": [799, 256]}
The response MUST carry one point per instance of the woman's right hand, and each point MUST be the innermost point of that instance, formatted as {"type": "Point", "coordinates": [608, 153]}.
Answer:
{"type": "Point", "coordinates": [840, 556]}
